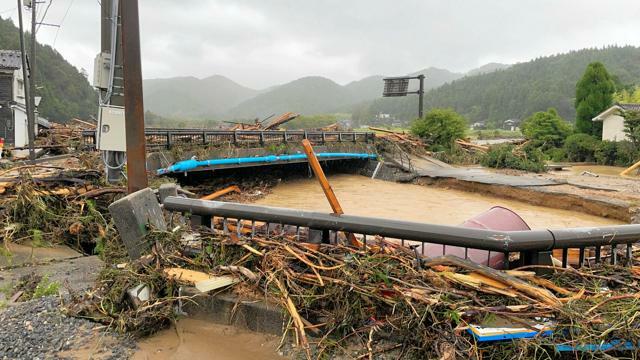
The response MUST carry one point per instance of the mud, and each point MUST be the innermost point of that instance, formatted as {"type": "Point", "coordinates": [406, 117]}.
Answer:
{"type": "Point", "coordinates": [201, 339]}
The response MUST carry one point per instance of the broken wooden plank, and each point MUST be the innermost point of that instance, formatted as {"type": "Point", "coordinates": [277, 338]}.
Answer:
{"type": "Point", "coordinates": [215, 283]}
{"type": "Point", "coordinates": [533, 291]}
{"type": "Point", "coordinates": [186, 275]}
{"type": "Point", "coordinates": [219, 193]}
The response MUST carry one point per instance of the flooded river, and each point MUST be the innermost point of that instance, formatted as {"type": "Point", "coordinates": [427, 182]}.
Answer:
{"type": "Point", "coordinates": [198, 339]}
{"type": "Point", "coordinates": [359, 195]}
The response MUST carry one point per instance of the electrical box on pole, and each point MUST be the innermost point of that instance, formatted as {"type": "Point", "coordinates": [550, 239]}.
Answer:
{"type": "Point", "coordinates": [101, 71]}
{"type": "Point", "coordinates": [111, 125]}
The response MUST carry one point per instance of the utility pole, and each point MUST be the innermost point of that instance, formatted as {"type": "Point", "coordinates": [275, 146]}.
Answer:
{"type": "Point", "coordinates": [32, 81]}
{"type": "Point", "coordinates": [26, 83]}
{"type": "Point", "coordinates": [133, 105]}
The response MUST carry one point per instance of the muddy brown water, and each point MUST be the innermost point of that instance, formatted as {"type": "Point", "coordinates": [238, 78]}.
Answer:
{"type": "Point", "coordinates": [597, 169]}
{"type": "Point", "coordinates": [359, 195]}
{"type": "Point", "coordinates": [195, 339]}
{"type": "Point", "coordinates": [199, 339]}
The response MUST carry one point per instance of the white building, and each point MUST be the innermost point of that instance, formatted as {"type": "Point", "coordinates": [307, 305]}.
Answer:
{"type": "Point", "coordinates": [13, 114]}
{"type": "Point", "coordinates": [613, 122]}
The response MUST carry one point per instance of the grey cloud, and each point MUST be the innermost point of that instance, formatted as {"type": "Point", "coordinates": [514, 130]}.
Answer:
{"type": "Point", "coordinates": [261, 43]}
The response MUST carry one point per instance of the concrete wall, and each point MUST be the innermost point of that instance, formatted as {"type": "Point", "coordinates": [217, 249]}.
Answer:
{"type": "Point", "coordinates": [613, 128]}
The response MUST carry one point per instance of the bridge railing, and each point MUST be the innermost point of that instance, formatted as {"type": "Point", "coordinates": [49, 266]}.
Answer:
{"type": "Point", "coordinates": [167, 138]}
{"type": "Point", "coordinates": [533, 247]}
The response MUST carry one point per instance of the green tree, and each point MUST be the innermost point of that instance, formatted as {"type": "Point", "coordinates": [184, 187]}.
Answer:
{"type": "Point", "coordinates": [546, 128]}
{"type": "Point", "coordinates": [581, 147]}
{"type": "Point", "coordinates": [440, 127]}
{"type": "Point", "coordinates": [632, 126]}
{"type": "Point", "coordinates": [594, 94]}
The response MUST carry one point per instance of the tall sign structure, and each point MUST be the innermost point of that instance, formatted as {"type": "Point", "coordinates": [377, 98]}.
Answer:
{"type": "Point", "coordinates": [399, 86]}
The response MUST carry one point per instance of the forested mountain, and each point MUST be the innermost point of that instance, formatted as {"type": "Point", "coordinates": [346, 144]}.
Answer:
{"type": "Point", "coordinates": [66, 93]}
{"type": "Point", "coordinates": [189, 97]}
{"type": "Point", "coordinates": [318, 95]}
{"type": "Point", "coordinates": [519, 90]}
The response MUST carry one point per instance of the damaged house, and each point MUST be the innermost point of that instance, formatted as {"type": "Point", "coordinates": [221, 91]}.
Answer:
{"type": "Point", "coordinates": [13, 113]}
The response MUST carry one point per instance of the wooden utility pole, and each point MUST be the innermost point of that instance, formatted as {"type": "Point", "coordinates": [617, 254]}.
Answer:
{"type": "Point", "coordinates": [26, 82]}
{"type": "Point", "coordinates": [326, 187]}
{"type": "Point", "coordinates": [32, 82]}
{"type": "Point", "coordinates": [133, 105]}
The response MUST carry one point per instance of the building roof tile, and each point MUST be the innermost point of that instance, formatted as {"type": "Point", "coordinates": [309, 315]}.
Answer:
{"type": "Point", "coordinates": [10, 60]}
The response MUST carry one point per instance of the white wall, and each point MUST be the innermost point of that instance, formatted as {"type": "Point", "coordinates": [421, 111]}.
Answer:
{"type": "Point", "coordinates": [18, 87]}
{"type": "Point", "coordinates": [22, 138]}
{"type": "Point", "coordinates": [613, 128]}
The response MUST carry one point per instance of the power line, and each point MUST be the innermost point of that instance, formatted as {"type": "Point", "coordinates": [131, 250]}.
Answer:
{"type": "Point", "coordinates": [44, 15]}
{"type": "Point", "coordinates": [61, 23]}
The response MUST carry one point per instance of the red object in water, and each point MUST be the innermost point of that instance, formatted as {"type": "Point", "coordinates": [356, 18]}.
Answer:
{"type": "Point", "coordinates": [496, 218]}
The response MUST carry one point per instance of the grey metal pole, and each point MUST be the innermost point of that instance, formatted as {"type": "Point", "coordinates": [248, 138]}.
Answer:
{"type": "Point", "coordinates": [133, 104]}
{"type": "Point", "coordinates": [421, 96]}
{"type": "Point", "coordinates": [25, 75]}
{"type": "Point", "coordinates": [32, 82]}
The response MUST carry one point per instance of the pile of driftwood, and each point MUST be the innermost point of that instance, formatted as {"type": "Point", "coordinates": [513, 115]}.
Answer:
{"type": "Point", "coordinates": [399, 137]}
{"type": "Point", "coordinates": [49, 204]}
{"type": "Point", "coordinates": [362, 303]}
{"type": "Point", "coordinates": [265, 124]}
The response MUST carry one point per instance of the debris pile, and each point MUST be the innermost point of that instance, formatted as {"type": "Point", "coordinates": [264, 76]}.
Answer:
{"type": "Point", "coordinates": [49, 204]}
{"type": "Point", "coordinates": [346, 300]}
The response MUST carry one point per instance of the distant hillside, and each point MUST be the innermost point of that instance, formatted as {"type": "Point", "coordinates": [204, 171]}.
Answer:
{"type": "Point", "coordinates": [65, 92]}
{"type": "Point", "coordinates": [190, 97]}
{"type": "Point", "coordinates": [519, 90]}
{"type": "Point", "coordinates": [487, 68]}
{"type": "Point", "coordinates": [318, 95]}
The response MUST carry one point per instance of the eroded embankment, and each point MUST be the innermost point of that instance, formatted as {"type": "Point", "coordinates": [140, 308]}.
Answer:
{"type": "Point", "coordinates": [547, 196]}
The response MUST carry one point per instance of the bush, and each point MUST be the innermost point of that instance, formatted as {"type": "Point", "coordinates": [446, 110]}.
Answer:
{"type": "Point", "coordinates": [546, 129]}
{"type": "Point", "coordinates": [606, 153]}
{"type": "Point", "coordinates": [556, 154]}
{"type": "Point", "coordinates": [580, 147]}
{"type": "Point", "coordinates": [503, 157]}
{"type": "Point", "coordinates": [440, 127]}
{"type": "Point", "coordinates": [626, 153]}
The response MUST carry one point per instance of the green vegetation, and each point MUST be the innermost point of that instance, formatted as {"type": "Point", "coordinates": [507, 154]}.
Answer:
{"type": "Point", "coordinates": [154, 120]}
{"type": "Point", "coordinates": [65, 91]}
{"type": "Point", "coordinates": [594, 94]}
{"type": "Point", "coordinates": [580, 147]}
{"type": "Point", "coordinates": [627, 95]}
{"type": "Point", "coordinates": [508, 156]}
{"type": "Point", "coordinates": [494, 134]}
{"type": "Point", "coordinates": [546, 129]}
{"type": "Point", "coordinates": [632, 126]}
{"type": "Point", "coordinates": [518, 91]}
{"type": "Point", "coordinates": [45, 287]}
{"type": "Point", "coordinates": [440, 127]}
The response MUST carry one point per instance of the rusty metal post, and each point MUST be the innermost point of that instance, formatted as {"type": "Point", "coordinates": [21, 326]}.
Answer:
{"type": "Point", "coordinates": [133, 105]}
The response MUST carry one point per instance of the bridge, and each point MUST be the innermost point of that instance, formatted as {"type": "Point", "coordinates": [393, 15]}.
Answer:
{"type": "Point", "coordinates": [160, 138]}
{"type": "Point", "coordinates": [231, 149]}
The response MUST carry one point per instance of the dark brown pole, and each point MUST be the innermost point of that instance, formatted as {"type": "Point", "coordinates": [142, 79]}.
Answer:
{"type": "Point", "coordinates": [133, 106]}
{"type": "Point", "coordinates": [32, 83]}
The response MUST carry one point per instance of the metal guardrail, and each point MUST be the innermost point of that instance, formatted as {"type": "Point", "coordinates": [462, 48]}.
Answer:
{"type": "Point", "coordinates": [534, 246]}
{"type": "Point", "coordinates": [166, 138]}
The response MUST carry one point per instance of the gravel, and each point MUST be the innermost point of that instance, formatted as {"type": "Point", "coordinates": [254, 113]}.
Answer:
{"type": "Point", "coordinates": [38, 330]}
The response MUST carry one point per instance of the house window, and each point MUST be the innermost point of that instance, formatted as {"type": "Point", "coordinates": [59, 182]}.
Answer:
{"type": "Point", "coordinates": [20, 90]}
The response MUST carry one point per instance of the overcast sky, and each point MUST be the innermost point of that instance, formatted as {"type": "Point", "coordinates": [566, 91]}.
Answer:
{"type": "Point", "coordinates": [261, 43]}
